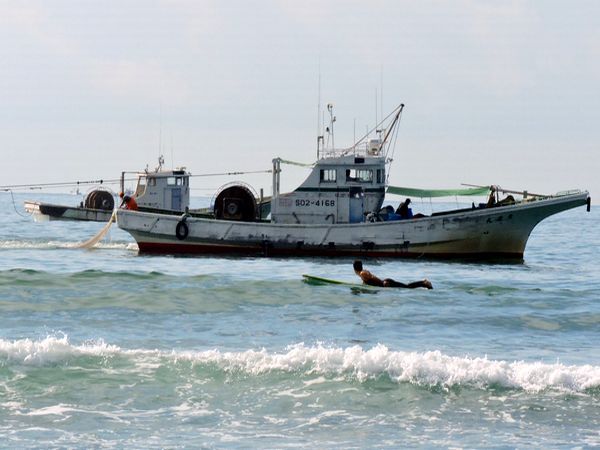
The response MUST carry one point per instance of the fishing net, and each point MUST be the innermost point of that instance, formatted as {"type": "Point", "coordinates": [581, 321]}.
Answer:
{"type": "Point", "coordinates": [99, 236]}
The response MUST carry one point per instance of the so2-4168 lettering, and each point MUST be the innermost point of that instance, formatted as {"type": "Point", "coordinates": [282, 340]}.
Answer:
{"type": "Point", "coordinates": [305, 202]}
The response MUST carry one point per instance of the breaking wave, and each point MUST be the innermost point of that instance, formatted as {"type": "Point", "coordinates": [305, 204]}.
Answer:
{"type": "Point", "coordinates": [354, 364]}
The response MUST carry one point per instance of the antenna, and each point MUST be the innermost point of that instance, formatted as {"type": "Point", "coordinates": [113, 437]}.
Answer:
{"type": "Point", "coordinates": [381, 90]}
{"type": "Point", "coordinates": [332, 120]}
{"type": "Point", "coordinates": [172, 160]}
{"type": "Point", "coordinates": [376, 108]}
{"type": "Point", "coordinates": [160, 132]}
{"type": "Point", "coordinates": [319, 137]}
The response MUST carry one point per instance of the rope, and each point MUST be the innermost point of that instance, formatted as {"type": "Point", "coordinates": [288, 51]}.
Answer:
{"type": "Point", "coordinates": [391, 158]}
{"type": "Point", "coordinates": [382, 121]}
{"type": "Point", "coordinates": [116, 181]}
{"type": "Point", "coordinates": [230, 173]}
{"type": "Point", "coordinates": [15, 205]}
{"type": "Point", "coordinates": [61, 184]}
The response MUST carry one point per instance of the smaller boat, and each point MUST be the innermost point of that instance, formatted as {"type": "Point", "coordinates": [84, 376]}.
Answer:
{"type": "Point", "coordinates": [160, 190]}
{"type": "Point", "coordinates": [97, 206]}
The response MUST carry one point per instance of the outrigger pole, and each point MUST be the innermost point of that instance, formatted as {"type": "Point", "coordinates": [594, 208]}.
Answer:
{"type": "Point", "coordinates": [495, 188]}
{"type": "Point", "coordinates": [389, 131]}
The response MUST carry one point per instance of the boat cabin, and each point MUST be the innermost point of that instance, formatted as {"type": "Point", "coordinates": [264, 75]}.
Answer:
{"type": "Point", "coordinates": [340, 189]}
{"type": "Point", "coordinates": [163, 189]}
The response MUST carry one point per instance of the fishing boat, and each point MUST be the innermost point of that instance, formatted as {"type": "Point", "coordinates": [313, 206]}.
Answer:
{"type": "Point", "coordinates": [97, 206]}
{"type": "Point", "coordinates": [158, 190]}
{"type": "Point", "coordinates": [339, 211]}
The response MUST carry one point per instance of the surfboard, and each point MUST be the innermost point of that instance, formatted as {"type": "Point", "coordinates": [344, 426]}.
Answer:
{"type": "Point", "coordinates": [319, 281]}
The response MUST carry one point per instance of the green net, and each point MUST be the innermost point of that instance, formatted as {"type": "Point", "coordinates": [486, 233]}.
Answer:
{"type": "Point", "coordinates": [426, 193]}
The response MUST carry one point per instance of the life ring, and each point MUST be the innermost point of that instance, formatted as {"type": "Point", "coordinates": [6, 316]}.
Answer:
{"type": "Point", "coordinates": [181, 230]}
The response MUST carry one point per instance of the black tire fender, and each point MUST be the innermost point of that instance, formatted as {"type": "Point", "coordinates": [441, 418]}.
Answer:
{"type": "Point", "coordinates": [181, 230]}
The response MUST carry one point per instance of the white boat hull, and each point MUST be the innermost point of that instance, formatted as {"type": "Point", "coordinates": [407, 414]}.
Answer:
{"type": "Point", "coordinates": [498, 232]}
{"type": "Point", "coordinates": [47, 211]}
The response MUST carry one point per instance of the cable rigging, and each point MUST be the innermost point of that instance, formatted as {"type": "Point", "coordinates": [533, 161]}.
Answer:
{"type": "Point", "coordinates": [32, 186]}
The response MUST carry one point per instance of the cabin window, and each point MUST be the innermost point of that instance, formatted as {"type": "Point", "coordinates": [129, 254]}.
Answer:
{"type": "Point", "coordinates": [170, 181]}
{"type": "Point", "coordinates": [380, 176]}
{"type": "Point", "coordinates": [151, 181]}
{"type": "Point", "coordinates": [179, 181]}
{"type": "Point", "coordinates": [140, 187]}
{"type": "Point", "coordinates": [328, 175]}
{"type": "Point", "coordinates": [359, 175]}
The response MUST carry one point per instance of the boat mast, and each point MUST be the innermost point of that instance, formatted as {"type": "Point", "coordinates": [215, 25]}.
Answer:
{"type": "Point", "coordinates": [276, 178]}
{"type": "Point", "coordinates": [331, 121]}
{"type": "Point", "coordinates": [319, 135]}
{"type": "Point", "coordinates": [393, 124]}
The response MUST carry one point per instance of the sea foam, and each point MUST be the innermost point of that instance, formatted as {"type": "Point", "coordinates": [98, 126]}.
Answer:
{"type": "Point", "coordinates": [428, 369]}
{"type": "Point", "coordinates": [54, 245]}
{"type": "Point", "coordinates": [50, 350]}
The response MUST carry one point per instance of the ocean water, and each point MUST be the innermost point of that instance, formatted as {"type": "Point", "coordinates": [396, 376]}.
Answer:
{"type": "Point", "coordinates": [105, 348]}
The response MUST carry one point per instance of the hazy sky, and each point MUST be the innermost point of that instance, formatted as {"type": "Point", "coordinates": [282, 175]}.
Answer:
{"type": "Point", "coordinates": [496, 92]}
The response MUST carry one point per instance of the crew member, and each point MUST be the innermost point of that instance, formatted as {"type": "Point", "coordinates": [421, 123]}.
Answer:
{"type": "Point", "coordinates": [370, 279]}
{"type": "Point", "coordinates": [491, 199]}
{"type": "Point", "coordinates": [404, 211]}
{"type": "Point", "coordinates": [128, 202]}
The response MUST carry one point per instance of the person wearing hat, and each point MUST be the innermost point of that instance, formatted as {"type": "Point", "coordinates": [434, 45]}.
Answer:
{"type": "Point", "coordinates": [128, 202]}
